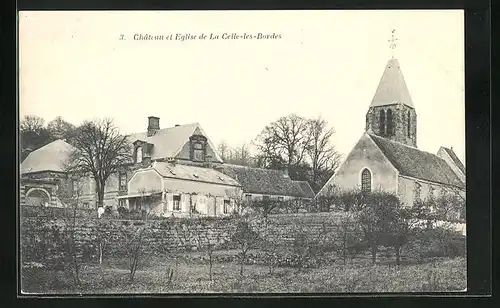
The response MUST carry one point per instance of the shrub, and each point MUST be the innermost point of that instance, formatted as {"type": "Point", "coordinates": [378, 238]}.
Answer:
{"type": "Point", "coordinates": [123, 212]}
{"type": "Point", "coordinates": [439, 242]}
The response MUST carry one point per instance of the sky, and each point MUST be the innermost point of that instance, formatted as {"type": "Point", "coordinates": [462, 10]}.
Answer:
{"type": "Point", "coordinates": [325, 63]}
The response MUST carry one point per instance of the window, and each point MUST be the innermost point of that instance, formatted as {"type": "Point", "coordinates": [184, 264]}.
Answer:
{"type": "Point", "coordinates": [226, 206]}
{"type": "Point", "coordinates": [122, 179]}
{"type": "Point", "coordinates": [390, 124]}
{"type": "Point", "coordinates": [177, 202]}
{"type": "Point", "coordinates": [86, 205]}
{"type": "Point", "coordinates": [192, 203]}
{"type": "Point", "coordinates": [198, 153]}
{"type": "Point", "coordinates": [418, 190]}
{"type": "Point", "coordinates": [138, 158]}
{"type": "Point", "coordinates": [409, 124]}
{"type": "Point", "coordinates": [248, 197]}
{"type": "Point", "coordinates": [382, 122]}
{"type": "Point", "coordinates": [366, 180]}
{"type": "Point", "coordinates": [122, 203]}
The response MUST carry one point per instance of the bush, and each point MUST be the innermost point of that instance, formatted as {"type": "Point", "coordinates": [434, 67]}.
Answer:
{"type": "Point", "coordinates": [123, 212]}
{"type": "Point", "coordinates": [438, 242]}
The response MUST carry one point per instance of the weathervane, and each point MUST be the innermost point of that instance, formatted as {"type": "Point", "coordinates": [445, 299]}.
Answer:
{"type": "Point", "coordinates": [392, 42]}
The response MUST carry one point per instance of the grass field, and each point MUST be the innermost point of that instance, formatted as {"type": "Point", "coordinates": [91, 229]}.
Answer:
{"type": "Point", "coordinates": [192, 277]}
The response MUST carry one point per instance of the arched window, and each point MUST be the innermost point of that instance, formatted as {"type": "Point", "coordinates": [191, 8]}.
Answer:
{"type": "Point", "coordinates": [382, 122]}
{"type": "Point", "coordinates": [390, 124]}
{"type": "Point", "coordinates": [366, 180]}
{"type": "Point", "coordinates": [409, 124]}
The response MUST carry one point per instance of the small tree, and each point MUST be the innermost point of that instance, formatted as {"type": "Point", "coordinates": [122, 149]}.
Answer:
{"type": "Point", "coordinates": [209, 241]}
{"type": "Point", "coordinates": [350, 241]}
{"type": "Point", "coordinates": [70, 198]}
{"type": "Point", "coordinates": [135, 242]}
{"type": "Point", "coordinates": [375, 218]}
{"type": "Point", "coordinates": [245, 238]}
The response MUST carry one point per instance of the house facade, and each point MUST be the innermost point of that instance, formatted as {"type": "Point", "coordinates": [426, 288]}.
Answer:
{"type": "Point", "coordinates": [386, 157]}
{"type": "Point", "coordinates": [175, 171]}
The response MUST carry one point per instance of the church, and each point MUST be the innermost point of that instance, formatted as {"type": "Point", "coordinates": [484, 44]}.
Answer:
{"type": "Point", "coordinates": [386, 157]}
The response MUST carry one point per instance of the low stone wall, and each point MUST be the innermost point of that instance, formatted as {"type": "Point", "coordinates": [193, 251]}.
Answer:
{"type": "Point", "coordinates": [163, 236]}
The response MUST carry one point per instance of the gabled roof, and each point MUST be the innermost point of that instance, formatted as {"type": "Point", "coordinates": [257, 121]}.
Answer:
{"type": "Point", "coordinates": [415, 163]}
{"type": "Point", "coordinates": [306, 189]}
{"type": "Point", "coordinates": [264, 181]}
{"type": "Point", "coordinates": [187, 172]}
{"type": "Point", "coordinates": [50, 157]}
{"type": "Point", "coordinates": [455, 159]}
{"type": "Point", "coordinates": [169, 141]}
{"type": "Point", "coordinates": [392, 87]}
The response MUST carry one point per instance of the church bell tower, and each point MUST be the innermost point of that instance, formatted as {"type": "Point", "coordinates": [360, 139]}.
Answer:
{"type": "Point", "coordinates": [391, 113]}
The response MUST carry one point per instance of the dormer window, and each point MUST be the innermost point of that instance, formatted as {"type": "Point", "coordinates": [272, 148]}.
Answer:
{"type": "Point", "coordinates": [198, 147]}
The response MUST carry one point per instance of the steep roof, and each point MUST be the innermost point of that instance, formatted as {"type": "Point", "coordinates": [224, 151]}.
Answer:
{"type": "Point", "coordinates": [392, 87]}
{"type": "Point", "coordinates": [50, 157]}
{"type": "Point", "coordinates": [169, 141]}
{"type": "Point", "coordinates": [186, 172]}
{"type": "Point", "coordinates": [264, 181]}
{"type": "Point", "coordinates": [416, 163]}
{"type": "Point", "coordinates": [306, 189]}
{"type": "Point", "coordinates": [455, 159]}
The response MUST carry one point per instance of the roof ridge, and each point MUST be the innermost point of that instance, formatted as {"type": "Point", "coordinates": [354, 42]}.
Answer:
{"type": "Point", "coordinates": [163, 129]}
{"type": "Point", "coordinates": [403, 144]}
{"type": "Point", "coordinates": [249, 167]}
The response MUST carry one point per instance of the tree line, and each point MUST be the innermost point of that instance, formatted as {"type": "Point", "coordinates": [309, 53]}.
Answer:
{"type": "Point", "coordinates": [302, 145]}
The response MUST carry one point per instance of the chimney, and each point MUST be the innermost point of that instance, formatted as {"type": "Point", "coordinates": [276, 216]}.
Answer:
{"type": "Point", "coordinates": [153, 125]}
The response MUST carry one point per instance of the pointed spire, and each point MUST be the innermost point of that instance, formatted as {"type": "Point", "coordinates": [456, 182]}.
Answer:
{"type": "Point", "coordinates": [392, 87]}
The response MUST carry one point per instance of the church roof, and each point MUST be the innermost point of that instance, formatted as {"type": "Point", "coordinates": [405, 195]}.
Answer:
{"type": "Point", "coordinates": [169, 141]}
{"type": "Point", "coordinates": [193, 173]}
{"type": "Point", "coordinates": [266, 181]}
{"type": "Point", "coordinates": [455, 159]}
{"type": "Point", "coordinates": [392, 87]}
{"type": "Point", "coordinates": [416, 163]}
{"type": "Point", "coordinates": [50, 157]}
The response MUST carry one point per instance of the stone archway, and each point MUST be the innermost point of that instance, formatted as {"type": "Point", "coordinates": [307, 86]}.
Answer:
{"type": "Point", "coordinates": [37, 197]}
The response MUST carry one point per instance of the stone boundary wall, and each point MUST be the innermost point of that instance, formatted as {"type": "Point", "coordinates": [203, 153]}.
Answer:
{"type": "Point", "coordinates": [165, 236]}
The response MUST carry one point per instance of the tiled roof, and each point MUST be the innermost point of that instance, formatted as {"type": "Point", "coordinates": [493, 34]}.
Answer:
{"type": "Point", "coordinates": [50, 157]}
{"type": "Point", "coordinates": [415, 163]}
{"type": "Point", "coordinates": [306, 189]}
{"type": "Point", "coordinates": [169, 141]}
{"type": "Point", "coordinates": [264, 181]}
{"type": "Point", "coordinates": [455, 159]}
{"type": "Point", "coordinates": [392, 87]}
{"type": "Point", "coordinates": [186, 172]}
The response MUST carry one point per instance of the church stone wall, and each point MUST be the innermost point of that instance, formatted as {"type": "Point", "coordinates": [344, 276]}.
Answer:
{"type": "Point", "coordinates": [366, 155]}
{"type": "Point", "coordinates": [400, 123]}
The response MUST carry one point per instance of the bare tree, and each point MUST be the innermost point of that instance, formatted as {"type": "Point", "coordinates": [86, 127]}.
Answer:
{"type": "Point", "coordinates": [323, 156]}
{"type": "Point", "coordinates": [287, 138]}
{"type": "Point", "coordinates": [223, 150]}
{"type": "Point", "coordinates": [100, 150]}
{"type": "Point", "coordinates": [70, 197]}
{"type": "Point", "coordinates": [246, 238]}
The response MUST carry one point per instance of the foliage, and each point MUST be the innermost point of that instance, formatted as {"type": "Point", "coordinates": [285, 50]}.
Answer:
{"type": "Point", "coordinates": [33, 134]}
